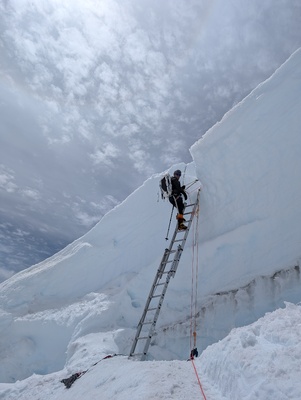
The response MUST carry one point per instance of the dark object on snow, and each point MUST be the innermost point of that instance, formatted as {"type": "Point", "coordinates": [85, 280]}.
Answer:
{"type": "Point", "coordinates": [69, 381]}
{"type": "Point", "coordinates": [194, 353]}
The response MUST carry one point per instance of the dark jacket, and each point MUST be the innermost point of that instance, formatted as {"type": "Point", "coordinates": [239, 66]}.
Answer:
{"type": "Point", "coordinates": [177, 189]}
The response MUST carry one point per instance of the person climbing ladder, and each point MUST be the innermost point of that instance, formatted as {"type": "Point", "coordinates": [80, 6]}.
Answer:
{"type": "Point", "coordinates": [176, 198]}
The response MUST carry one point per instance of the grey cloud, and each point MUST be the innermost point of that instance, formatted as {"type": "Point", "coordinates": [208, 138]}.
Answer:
{"type": "Point", "coordinates": [90, 89]}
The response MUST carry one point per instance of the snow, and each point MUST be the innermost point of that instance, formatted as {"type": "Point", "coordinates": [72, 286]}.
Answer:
{"type": "Point", "coordinates": [69, 312]}
{"type": "Point", "coordinates": [260, 361]}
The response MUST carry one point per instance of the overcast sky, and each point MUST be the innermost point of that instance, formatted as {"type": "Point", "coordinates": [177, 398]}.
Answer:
{"type": "Point", "coordinates": [105, 93]}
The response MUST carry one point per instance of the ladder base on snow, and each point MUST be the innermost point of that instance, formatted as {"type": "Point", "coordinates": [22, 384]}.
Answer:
{"type": "Point", "coordinates": [167, 269]}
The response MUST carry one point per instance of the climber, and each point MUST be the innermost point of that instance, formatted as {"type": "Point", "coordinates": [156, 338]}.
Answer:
{"type": "Point", "coordinates": [176, 198]}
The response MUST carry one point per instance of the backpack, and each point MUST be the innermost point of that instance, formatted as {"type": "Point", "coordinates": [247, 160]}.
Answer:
{"type": "Point", "coordinates": [165, 186]}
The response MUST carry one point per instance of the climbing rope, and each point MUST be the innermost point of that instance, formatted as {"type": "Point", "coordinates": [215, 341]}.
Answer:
{"type": "Point", "coordinates": [194, 295]}
{"type": "Point", "coordinates": [198, 379]}
{"type": "Point", "coordinates": [194, 284]}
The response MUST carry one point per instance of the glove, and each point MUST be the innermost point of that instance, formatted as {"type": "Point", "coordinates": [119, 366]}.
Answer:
{"type": "Point", "coordinates": [183, 187]}
{"type": "Point", "coordinates": [185, 195]}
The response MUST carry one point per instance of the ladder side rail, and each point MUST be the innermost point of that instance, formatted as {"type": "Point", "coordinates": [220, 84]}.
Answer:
{"type": "Point", "coordinates": [176, 231]}
{"type": "Point", "coordinates": [163, 262]}
{"type": "Point", "coordinates": [141, 323]}
{"type": "Point", "coordinates": [142, 319]}
{"type": "Point", "coordinates": [181, 246]}
{"type": "Point", "coordinates": [152, 328]}
{"type": "Point", "coordinates": [150, 296]}
{"type": "Point", "coordinates": [135, 341]}
{"type": "Point", "coordinates": [158, 276]}
{"type": "Point", "coordinates": [195, 206]}
{"type": "Point", "coordinates": [176, 261]}
{"type": "Point", "coordinates": [152, 321]}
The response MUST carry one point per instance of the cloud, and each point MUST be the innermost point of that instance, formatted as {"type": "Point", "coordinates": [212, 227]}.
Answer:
{"type": "Point", "coordinates": [86, 219]}
{"type": "Point", "coordinates": [106, 155]}
{"type": "Point", "coordinates": [94, 87]}
{"type": "Point", "coordinates": [31, 194]}
{"type": "Point", "coordinates": [7, 179]}
{"type": "Point", "coordinates": [140, 158]}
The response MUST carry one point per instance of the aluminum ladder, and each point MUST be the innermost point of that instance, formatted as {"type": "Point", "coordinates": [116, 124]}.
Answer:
{"type": "Point", "coordinates": [166, 270]}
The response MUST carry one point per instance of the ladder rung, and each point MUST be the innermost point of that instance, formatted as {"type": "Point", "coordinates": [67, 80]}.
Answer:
{"type": "Point", "coordinates": [160, 284]}
{"type": "Point", "coordinates": [143, 337]}
{"type": "Point", "coordinates": [164, 263]}
{"type": "Point", "coordinates": [156, 295]}
{"type": "Point", "coordinates": [147, 322]}
{"type": "Point", "coordinates": [152, 309]}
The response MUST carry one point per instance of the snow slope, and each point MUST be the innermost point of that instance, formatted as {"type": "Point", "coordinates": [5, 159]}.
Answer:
{"type": "Point", "coordinates": [260, 361]}
{"type": "Point", "coordinates": [68, 312]}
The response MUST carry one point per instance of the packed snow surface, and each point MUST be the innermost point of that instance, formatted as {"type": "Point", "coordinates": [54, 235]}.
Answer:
{"type": "Point", "coordinates": [261, 361]}
{"type": "Point", "coordinates": [70, 311]}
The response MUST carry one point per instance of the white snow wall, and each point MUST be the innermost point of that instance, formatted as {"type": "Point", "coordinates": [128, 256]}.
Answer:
{"type": "Point", "coordinates": [252, 160]}
{"type": "Point", "coordinates": [250, 220]}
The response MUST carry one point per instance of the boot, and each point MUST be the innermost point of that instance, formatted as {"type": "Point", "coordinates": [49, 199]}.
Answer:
{"type": "Point", "coordinates": [182, 227]}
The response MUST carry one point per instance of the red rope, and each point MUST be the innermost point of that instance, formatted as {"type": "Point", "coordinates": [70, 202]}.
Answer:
{"type": "Point", "coordinates": [194, 280]}
{"type": "Point", "coordinates": [194, 294]}
{"type": "Point", "coordinates": [199, 382]}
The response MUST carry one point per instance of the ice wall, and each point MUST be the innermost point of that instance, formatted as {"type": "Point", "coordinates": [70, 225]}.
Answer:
{"type": "Point", "coordinates": [219, 313]}
{"type": "Point", "coordinates": [249, 165]}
